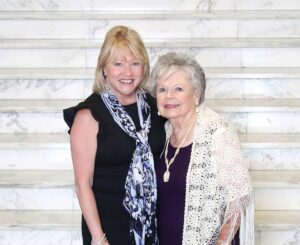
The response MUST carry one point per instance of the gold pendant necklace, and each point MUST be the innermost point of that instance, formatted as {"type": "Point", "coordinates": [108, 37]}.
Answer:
{"type": "Point", "coordinates": [166, 175]}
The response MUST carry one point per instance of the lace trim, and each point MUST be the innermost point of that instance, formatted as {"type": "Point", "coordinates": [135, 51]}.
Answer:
{"type": "Point", "coordinates": [218, 188]}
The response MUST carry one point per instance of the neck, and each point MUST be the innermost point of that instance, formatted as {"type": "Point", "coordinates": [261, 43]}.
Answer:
{"type": "Point", "coordinates": [181, 127]}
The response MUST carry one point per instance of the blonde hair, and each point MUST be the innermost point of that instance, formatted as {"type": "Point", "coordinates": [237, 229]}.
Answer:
{"type": "Point", "coordinates": [118, 39]}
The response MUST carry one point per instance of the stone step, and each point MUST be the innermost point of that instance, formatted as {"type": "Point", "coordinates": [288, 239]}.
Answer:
{"type": "Point", "coordinates": [84, 58]}
{"type": "Point", "coordinates": [264, 220]}
{"type": "Point", "coordinates": [65, 179]}
{"type": "Point", "coordinates": [156, 5]}
{"type": "Point", "coordinates": [148, 14]}
{"type": "Point", "coordinates": [218, 105]}
{"type": "Point", "coordinates": [248, 116]}
{"type": "Point", "coordinates": [77, 28]}
{"type": "Point", "coordinates": [216, 88]}
{"type": "Point", "coordinates": [276, 190]}
{"type": "Point", "coordinates": [277, 220]}
{"type": "Point", "coordinates": [275, 179]}
{"type": "Point", "coordinates": [61, 141]}
{"type": "Point", "coordinates": [248, 42]}
{"type": "Point", "coordinates": [27, 152]}
{"type": "Point", "coordinates": [34, 190]}
{"type": "Point", "coordinates": [22, 156]}
{"type": "Point", "coordinates": [210, 72]}
{"type": "Point", "coordinates": [62, 227]}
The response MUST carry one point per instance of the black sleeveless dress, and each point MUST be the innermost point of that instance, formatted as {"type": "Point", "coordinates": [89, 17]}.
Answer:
{"type": "Point", "coordinates": [113, 157]}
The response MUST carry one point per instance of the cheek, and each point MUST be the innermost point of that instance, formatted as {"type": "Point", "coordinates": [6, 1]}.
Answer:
{"type": "Point", "coordinates": [139, 71]}
{"type": "Point", "coordinates": [159, 101]}
{"type": "Point", "coordinates": [110, 71]}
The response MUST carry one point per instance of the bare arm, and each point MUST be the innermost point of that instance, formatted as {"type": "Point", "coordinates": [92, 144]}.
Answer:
{"type": "Point", "coordinates": [83, 148]}
{"type": "Point", "coordinates": [229, 229]}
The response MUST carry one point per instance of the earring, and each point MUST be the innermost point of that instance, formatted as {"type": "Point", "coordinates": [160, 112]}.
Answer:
{"type": "Point", "coordinates": [158, 113]}
{"type": "Point", "coordinates": [197, 107]}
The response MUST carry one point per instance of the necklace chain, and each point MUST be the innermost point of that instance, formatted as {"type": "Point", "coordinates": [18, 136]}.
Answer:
{"type": "Point", "coordinates": [168, 162]}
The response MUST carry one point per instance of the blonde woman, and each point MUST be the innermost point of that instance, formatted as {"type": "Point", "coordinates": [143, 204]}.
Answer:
{"type": "Point", "coordinates": [114, 134]}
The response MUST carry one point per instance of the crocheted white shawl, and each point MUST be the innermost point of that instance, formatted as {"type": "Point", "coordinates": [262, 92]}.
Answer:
{"type": "Point", "coordinates": [218, 189]}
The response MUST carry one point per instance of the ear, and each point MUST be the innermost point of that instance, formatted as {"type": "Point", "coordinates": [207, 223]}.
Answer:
{"type": "Point", "coordinates": [104, 72]}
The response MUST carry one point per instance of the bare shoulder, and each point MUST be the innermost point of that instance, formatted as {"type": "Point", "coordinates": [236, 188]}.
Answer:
{"type": "Point", "coordinates": [84, 121]}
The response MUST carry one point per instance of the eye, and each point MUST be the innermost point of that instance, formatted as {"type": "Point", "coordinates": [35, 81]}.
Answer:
{"type": "Point", "coordinates": [118, 64]}
{"type": "Point", "coordinates": [135, 63]}
{"type": "Point", "coordinates": [178, 89]}
{"type": "Point", "coordinates": [161, 90]}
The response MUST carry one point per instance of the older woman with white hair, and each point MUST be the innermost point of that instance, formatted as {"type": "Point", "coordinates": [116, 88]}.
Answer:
{"type": "Point", "coordinates": [204, 189]}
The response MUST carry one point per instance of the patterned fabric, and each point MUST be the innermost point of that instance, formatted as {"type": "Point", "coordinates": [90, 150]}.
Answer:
{"type": "Point", "coordinates": [218, 189]}
{"type": "Point", "coordinates": [140, 187]}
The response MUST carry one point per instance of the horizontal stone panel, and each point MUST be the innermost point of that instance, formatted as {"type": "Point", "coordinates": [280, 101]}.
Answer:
{"type": "Point", "coordinates": [277, 199]}
{"type": "Point", "coordinates": [97, 29]}
{"type": "Point", "coordinates": [216, 88]}
{"type": "Point", "coordinates": [273, 159]}
{"type": "Point", "coordinates": [207, 57]}
{"type": "Point", "coordinates": [267, 5]}
{"type": "Point", "coordinates": [20, 158]}
{"type": "Point", "coordinates": [36, 236]}
{"type": "Point", "coordinates": [37, 198]}
{"type": "Point", "coordinates": [104, 5]}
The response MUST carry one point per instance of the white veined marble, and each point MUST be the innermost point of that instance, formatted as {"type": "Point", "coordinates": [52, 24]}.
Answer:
{"type": "Point", "coordinates": [44, 29]}
{"type": "Point", "coordinates": [224, 88]}
{"type": "Point", "coordinates": [277, 199]}
{"type": "Point", "coordinates": [265, 122]}
{"type": "Point", "coordinates": [45, 237]}
{"type": "Point", "coordinates": [269, 28]}
{"type": "Point", "coordinates": [267, 5]}
{"type": "Point", "coordinates": [216, 88]}
{"type": "Point", "coordinates": [104, 5]}
{"type": "Point", "coordinates": [43, 89]}
{"type": "Point", "coordinates": [264, 88]}
{"type": "Point", "coordinates": [278, 238]}
{"type": "Point", "coordinates": [238, 121]}
{"type": "Point", "coordinates": [34, 159]}
{"type": "Point", "coordinates": [273, 159]}
{"type": "Point", "coordinates": [22, 123]}
{"type": "Point", "coordinates": [197, 5]}
{"type": "Point", "coordinates": [202, 28]}
{"type": "Point", "coordinates": [271, 57]}
{"type": "Point", "coordinates": [245, 122]}
{"type": "Point", "coordinates": [207, 57]}
{"type": "Point", "coordinates": [96, 29]}
{"type": "Point", "coordinates": [42, 58]}
{"type": "Point", "coordinates": [272, 88]}
{"type": "Point", "coordinates": [45, 5]}
{"type": "Point", "coordinates": [37, 198]}
{"type": "Point", "coordinates": [278, 122]}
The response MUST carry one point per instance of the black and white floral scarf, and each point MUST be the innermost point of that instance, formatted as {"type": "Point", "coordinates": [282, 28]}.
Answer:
{"type": "Point", "coordinates": [140, 186]}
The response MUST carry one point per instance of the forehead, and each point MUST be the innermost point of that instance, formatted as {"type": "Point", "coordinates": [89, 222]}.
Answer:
{"type": "Point", "coordinates": [176, 77]}
{"type": "Point", "coordinates": [121, 54]}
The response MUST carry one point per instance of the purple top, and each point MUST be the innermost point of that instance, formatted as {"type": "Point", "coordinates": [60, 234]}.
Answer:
{"type": "Point", "coordinates": [171, 196]}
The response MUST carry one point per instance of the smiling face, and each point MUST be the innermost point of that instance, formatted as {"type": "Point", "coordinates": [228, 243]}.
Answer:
{"type": "Point", "coordinates": [176, 97]}
{"type": "Point", "coordinates": [123, 75]}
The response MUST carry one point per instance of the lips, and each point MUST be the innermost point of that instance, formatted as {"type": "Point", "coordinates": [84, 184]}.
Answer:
{"type": "Point", "coordinates": [170, 106]}
{"type": "Point", "coordinates": [126, 81]}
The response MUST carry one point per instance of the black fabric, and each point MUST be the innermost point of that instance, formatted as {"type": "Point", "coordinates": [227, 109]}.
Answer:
{"type": "Point", "coordinates": [236, 240]}
{"type": "Point", "coordinates": [113, 156]}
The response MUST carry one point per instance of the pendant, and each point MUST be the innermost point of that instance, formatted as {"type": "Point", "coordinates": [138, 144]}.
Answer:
{"type": "Point", "coordinates": [166, 176]}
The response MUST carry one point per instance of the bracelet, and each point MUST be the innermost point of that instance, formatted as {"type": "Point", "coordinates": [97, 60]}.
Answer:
{"type": "Point", "coordinates": [99, 242]}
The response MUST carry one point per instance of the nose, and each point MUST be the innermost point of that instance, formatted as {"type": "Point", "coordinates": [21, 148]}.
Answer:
{"type": "Point", "coordinates": [169, 93]}
{"type": "Point", "coordinates": [128, 70]}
